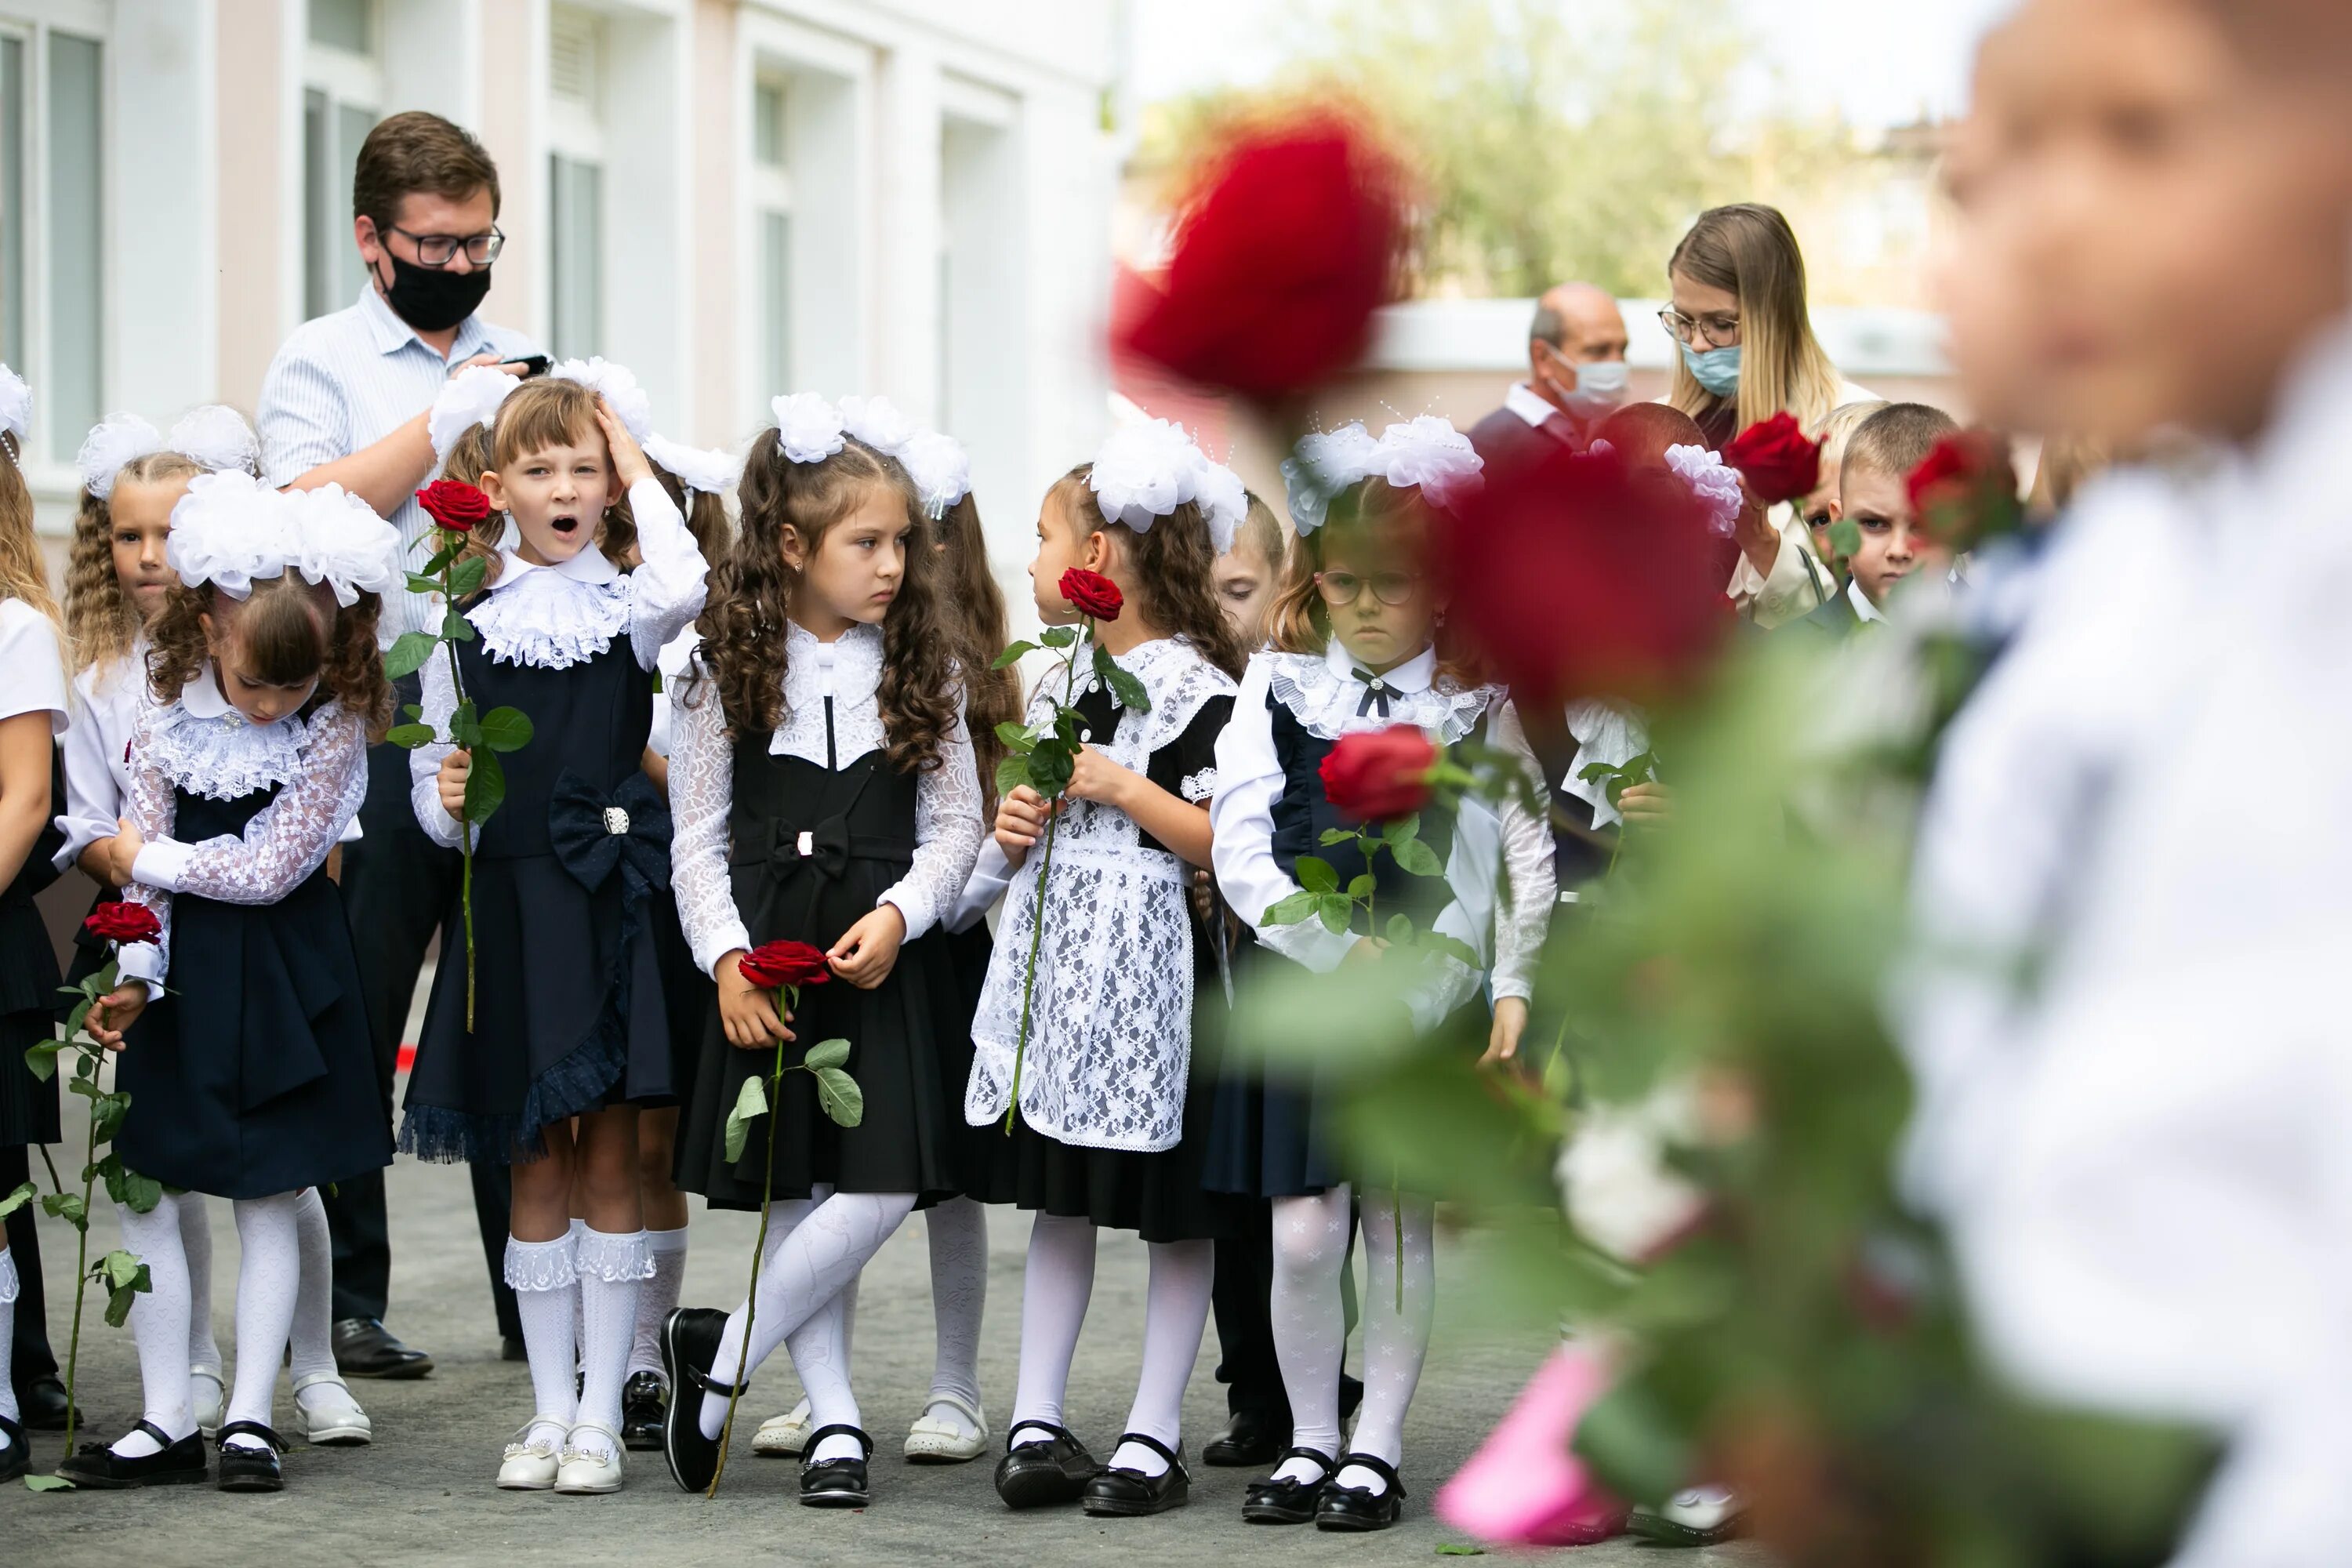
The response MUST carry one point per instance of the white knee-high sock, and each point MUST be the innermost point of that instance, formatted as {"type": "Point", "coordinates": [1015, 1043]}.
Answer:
{"type": "Point", "coordinates": [1395, 1343]}
{"type": "Point", "coordinates": [782, 1216]}
{"type": "Point", "coordinates": [1310, 1326]}
{"type": "Point", "coordinates": [196, 1244]}
{"type": "Point", "coordinates": [1055, 1284]}
{"type": "Point", "coordinates": [820, 1352]}
{"type": "Point", "coordinates": [159, 1324]}
{"type": "Point", "coordinates": [612, 1268]}
{"type": "Point", "coordinates": [1175, 1314]}
{"type": "Point", "coordinates": [312, 1349]}
{"type": "Point", "coordinates": [823, 1254]}
{"type": "Point", "coordinates": [958, 1233]}
{"type": "Point", "coordinates": [269, 1272]}
{"type": "Point", "coordinates": [546, 1291]}
{"type": "Point", "coordinates": [657, 1297]}
{"type": "Point", "coordinates": [8, 1289]}
{"type": "Point", "coordinates": [578, 1323]}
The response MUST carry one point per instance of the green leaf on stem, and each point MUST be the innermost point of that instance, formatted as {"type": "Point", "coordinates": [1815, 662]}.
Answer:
{"type": "Point", "coordinates": [1014, 654]}
{"type": "Point", "coordinates": [1845, 538]}
{"type": "Point", "coordinates": [47, 1484]}
{"type": "Point", "coordinates": [412, 709]}
{"type": "Point", "coordinates": [1130, 693]}
{"type": "Point", "coordinates": [1339, 836]}
{"type": "Point", "coordinates": [1416, 858]}
{"type": "Point", "coordinates": [1017, 737]}
{"type": "Point", "coordinates": [408, 737]}
{"type": "Point", "coordinates": [1050, 767]}
{"type": "Point", "coordinates": [750, 1105]}
{"type": "Point", "coordinates": [418, 583]}
{"type": "Point", "coordinates": [1336, 911]}
{"type": "Point", "coordinates": [1404, 830]}
{"type": "Point", "coordinates": [83, 1084]}
{"type": "Point", "coordinates": [447, 553]}
{"type": "Point", "coordinates": [1399, 929]}
{"type": "Point", "coordinates": [120, 1301]}
{"type": "Point", "coordinates": [1289, 911]}
{"type": "Point", "coordinates": [1363, 887]}
{"type": "Point", "coordinates": [1012, 772]}
{"type": "Point", "coordinates": [1453, 947]}
{"type": "Point", "coordinates": [407, 655]}
{"type": "Point", "coordinates": [456, 627]}
{"type": "Point", "coordinates": [25, 1193]}
{"type": "Point", "coordinates": [111, 1107]}
{"type": "Point", "coordinates": [141, 1193]}
{"type": "Point", "coordinates": [1058, 636]}
{"type": "Point", "coordinates": [42, 1058]}
{"type": "Point", "coordinates": [465, 724]}
{"type": "Point", "coordinates": [117, 1270]}
{"type": "Point", "coordinates": [506, 729]}
{"type": "Point", "coordinates": [466, 576]}
{"type": "Point", "coordinates": [67, 1206]}
{"type": "Point", "coordinates": [826, 1054]}
{"type": "Point", "coordinates": [486, 787]}
{"type": "Point", "coordinates": [838, 1093]}
{"type": "Point", "coordinates": [1316, 875]}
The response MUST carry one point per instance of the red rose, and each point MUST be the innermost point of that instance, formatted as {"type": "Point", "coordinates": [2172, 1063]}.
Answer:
{"type": "Point", "coordinates": [1776, 459]}
{"type": "Point", "coordinates": [123, 922]}
{"type": "Point", "coordinates": [1965, 491]}
{"type": "Point", "coordinates": [1092, 594]}
{"type": "Point", "coordinates": [1573, 579]}
{"type": "Point", "coordinates": [454, 505]}
{"type": "Point", "coordinates": [1378, 775]}
{"type": "Point", "coordinates": [1294, 240]}
{"type": "Point", "coordinates": [773, 965]}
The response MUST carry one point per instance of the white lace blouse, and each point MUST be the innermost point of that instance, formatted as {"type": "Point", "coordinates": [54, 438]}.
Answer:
{"type": "Point", "coordinates": [702, 786]}
{"type": "Point", "coordinates": [1322, 692]}
{"type": "Point", "coordinates": [202, 744]}
{"type": "Point", "coordinates": [553, 618]}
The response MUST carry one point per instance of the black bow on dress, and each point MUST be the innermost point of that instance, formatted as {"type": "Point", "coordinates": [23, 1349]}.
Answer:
{"type": "Point", "coordinates": [593, 834]}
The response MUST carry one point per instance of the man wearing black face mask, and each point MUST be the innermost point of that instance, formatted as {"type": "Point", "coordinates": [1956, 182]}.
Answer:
{"type": "Point", "coordinates": [345, 402]}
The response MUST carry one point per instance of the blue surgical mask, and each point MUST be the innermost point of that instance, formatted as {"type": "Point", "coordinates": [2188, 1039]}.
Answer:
{"type": "Point", "coordinates": [1717, 369]}
{"type": "Point", "coordinates": [1600, 388]}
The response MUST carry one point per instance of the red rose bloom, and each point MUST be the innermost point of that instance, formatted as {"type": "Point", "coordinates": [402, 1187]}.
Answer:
{"type": "Point", "coordinates": [1571, 578]}
{"type": "Point", "coordinates": [773, 965]}
{"type": "Point", "coordinates": [1294, 240]}
{"type": "Point", "coordinates": [1378, 775]}
{"type": "Point", "coordinates": [1092, 594]}
{"type": "Point", "coordinates": [123, 922]}
{"type": "Point", "coordinates": [1965, 491]}
{"type": "Point", "coordinates": [1776, 459]}
{"type": "Point", "coordinates": [454, 505]}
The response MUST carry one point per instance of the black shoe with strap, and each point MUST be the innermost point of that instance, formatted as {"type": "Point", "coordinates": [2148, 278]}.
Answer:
{"type": "Point", "coordinates": [689, 1340]}
{"type": "Point", "coordinates": [1042, 1471]}
{"type": "Point", "coordinates": [644, 1403]}
{"type": "Point", "coordinates": [1279, 1500]}
{"type": "Point", "coordinates": [244, 1469]}
{"type": "Point", "coordinates": [1361, 1508]}
{"type": "Point", "coordinates": [1120, 1492]}
{"type": "Point", "coordinates": [836, 1483]}
{"type": "Point", "coordinates": [179, 1462]}
{"type": "Point", "coordinates": [18, 1456]}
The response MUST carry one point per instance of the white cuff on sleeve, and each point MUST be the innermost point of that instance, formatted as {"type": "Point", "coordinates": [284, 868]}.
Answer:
{"type": "Point", "coordinates": [161, 863]}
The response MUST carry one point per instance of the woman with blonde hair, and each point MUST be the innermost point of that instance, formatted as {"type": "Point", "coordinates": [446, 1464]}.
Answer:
{"type": "Point", "coordinates": [1747, 352]}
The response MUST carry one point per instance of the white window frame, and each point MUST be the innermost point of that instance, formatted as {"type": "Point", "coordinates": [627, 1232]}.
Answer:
{"type": "Point", "coordinates": [32, 22]}
{"type": "Point", "coordinates": [347, 81]}
{"type": "Point", "coordinates": [576, 133]}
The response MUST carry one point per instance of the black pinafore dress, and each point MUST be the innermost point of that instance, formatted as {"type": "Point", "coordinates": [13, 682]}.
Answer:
{"type": "Point", "coordinates": [1277, 1138]}
{"type": "Point", "coordinates": [813, 848]}
{"type": "Point", "coordinates": [568, 1012]}
{"type": "Point", "coordinates": [255, 1073]}
{"type": "Point", "coordinates": [28, 990]}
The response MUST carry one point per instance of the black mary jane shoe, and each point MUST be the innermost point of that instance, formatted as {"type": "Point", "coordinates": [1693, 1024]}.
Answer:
{"type": "Point", "coordinates": [244, 1469]}
{"type": "Point", "coordinates": [1121, 1493]}
{"type": "Point", "coordinates": [1043, 1472]}
{"type": "Point", "coordinates": [1359, 1507]}
{"type": "Point", "coordinates": [18, 1456]}
{"type": "Point", "coordinates": [836, 1483]}
{"type": "Point", "coordinates": [1251, 1437]}
{"type": "Point", "coordinates": [1279, 1500]}
{"type": "Point", "coordinates": [180, 1463]}
{"type": "Point", "coordinates": [644, 1401]}
{"type": "Point", "coordinates": [689, 1343]}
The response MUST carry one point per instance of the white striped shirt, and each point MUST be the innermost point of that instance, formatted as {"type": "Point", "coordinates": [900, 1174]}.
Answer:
{"type": "Point", "coordinates": [345, 382]}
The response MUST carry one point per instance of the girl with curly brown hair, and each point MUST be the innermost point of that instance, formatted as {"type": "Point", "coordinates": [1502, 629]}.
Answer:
{"type": "Point", "coordinates": [251, 1078]}
{"type": "Point", "coordinates": [825, 795]}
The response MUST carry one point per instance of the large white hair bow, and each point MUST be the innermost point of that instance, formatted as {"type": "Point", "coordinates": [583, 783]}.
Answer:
{"type": "Point", "coordinates": [215, 436]}
{"type": "Point", "coordinates": [468, 399]}
{"type": "Point", "coordinates": [617, 384]}
{"type": "Point", "coordinates": [712, 471]}
{"type": "Point", "coordinates": [808, 427]}
{"type": "Point", "coordinates": [231, 530]}
{"type": "Point", "coordinates": [15, 406]}
{"type": "Point", "coordinates": [940, 469]}
{"type": "Point", "coordinates": [876, 422]}
{"type": "Point", "coordinates": [1427, 454]}
{"type": "Point", "coordinates": [1146, 470]}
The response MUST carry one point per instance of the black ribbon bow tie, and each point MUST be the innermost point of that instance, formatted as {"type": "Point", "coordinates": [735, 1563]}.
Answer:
{"type": "Point", "coordinates": [1376, 693]}
{"type": "Point", "coordinates": [593, 833]}
{"type": "Point", "coordinates": [825, 846]}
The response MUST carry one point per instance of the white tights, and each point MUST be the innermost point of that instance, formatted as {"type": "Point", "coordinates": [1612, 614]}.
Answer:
{"type": "Point", "coordinates": [1310, 1246]}
{"type": "Point", "coordinates": [312, 1335]}
{"type": "Point", "coordinates": [8, 1288]}
{"type": "Point", "coordinates": [1055, 1290]}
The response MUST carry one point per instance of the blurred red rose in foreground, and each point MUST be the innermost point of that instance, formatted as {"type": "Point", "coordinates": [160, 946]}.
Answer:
{"type": "Point", "coordinates": [1294, 240]}
{"type": "Point", "coordinates": [1966, 490]}
{"type": "Point", "coordinates": [1775, 457]}
{"type": "Point", "coordinates": [1378, 775]}
{"type": "Point", "coordinates": [1571, 579]}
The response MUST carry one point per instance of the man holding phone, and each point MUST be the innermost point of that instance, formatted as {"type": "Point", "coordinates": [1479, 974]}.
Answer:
{"type": "Point", "coordinates": [345, 402]}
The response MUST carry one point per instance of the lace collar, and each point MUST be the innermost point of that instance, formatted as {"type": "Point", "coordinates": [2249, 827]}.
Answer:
{"type": "Point", "coordinates": [1321, 692]}
{"type": "Point", "coordinates": [552, 616]}
{"type": "Point", "coordinates": [204, 745]}
{"type": "Point", "coordinates": [849, 670]}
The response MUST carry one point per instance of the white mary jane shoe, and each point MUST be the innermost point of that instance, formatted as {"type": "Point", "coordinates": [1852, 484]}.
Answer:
{"type": "Point", "coordinates": [329, 1421]}
{"type": "Point", "coordinates": [587, 1471]}
{"type": "Point", "coordinates": [529, 1467]}
{"type": "Point", "coordinates": [931, 1441]}
{"type": "Point", "coordinates": [783, 1436]}
{"type": "Point", "coordinates": [209, 1396]}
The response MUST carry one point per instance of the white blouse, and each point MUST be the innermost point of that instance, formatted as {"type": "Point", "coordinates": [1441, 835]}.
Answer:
{"type": "Point", "coordinates": [202, 744]}
{"type": "Point", "coordinates": [553, 618]}
{"type": "Point", "coordinates": [34, 674]}
{"type": "Point", "coordinates": [1322, 692]}
{"type": "Point", "coordinates": [848, 671]}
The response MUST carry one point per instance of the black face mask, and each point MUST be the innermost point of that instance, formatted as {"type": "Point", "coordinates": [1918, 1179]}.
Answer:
{"type": "Point", "coordinates": [434, 299]}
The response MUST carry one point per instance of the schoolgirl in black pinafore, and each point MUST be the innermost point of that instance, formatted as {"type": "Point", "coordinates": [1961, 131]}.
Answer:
{"type": "Point", "coordinates": [812, 849]}
{"type": "Point", "coordinates": [28, 965]}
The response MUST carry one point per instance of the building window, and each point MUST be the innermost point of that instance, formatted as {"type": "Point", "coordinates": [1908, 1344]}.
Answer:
{"type": "Point", "coordinates": [575, 182]}
{"type": "Point", "coordinates": [341, 97]}
{"type": "Point", "coordinates": [772, 197]}
{"type": "Point", "coordinates": [53, 229]}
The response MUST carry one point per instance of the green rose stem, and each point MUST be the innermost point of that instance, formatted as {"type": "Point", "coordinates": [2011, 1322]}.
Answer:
{"type": "Point", "coordinates": [759, 1247]}
{"type": "Point", "coordinates": [1037, 925]}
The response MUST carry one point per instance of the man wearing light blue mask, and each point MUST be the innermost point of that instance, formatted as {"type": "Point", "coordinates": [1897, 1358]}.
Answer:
{"type": "Point", "coordinates": [1576, 378]}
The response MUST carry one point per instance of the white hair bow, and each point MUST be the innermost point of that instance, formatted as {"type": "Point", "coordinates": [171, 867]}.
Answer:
{"type": "Point", "coordinates": [808, 427]}
{"type": "Point", "coordinates": [214, 435]}
{"type": "Point", "coordinates": [468, 399]}
{"type": "Point", "coordinates": [1427, 454]}
{"type": "Point", "coordinates": [712, 471]}
{"type": "Point", "coordinates": [1147, 470]}
{"type": "Point", "coordinates": [231, 530]}
{"type": "Point", "coordinates": [617, 384]}
{"type": "Point", "coordinates": [15, 406]}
